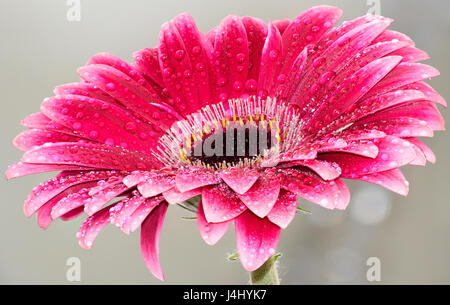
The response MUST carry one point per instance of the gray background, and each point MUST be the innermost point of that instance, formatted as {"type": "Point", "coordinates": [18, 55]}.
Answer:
{"type": "Point", "coordinates": [41, 49]}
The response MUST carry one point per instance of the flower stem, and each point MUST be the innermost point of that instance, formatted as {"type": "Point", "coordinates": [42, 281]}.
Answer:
{"type": "Point", "coordinates": [267, 274]}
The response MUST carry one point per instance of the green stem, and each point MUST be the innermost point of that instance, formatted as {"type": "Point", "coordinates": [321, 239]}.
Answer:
{"type": "Point", "coordinates": [267, 274]}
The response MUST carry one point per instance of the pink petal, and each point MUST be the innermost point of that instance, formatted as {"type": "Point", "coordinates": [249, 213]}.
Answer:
{"type": "Point", "coordinates": [91, 227]}
{"type": "Point", "coordinates": [89, 155]}
{"type": "Point", "coordinates": [326, 170]}
{"type": "Point", "coordinates": [282, 25]}
{"type": "Point", "coordinates": [135, 178]}
{"type": "Point", "coordinates": [51, 188]}
{"type": "Point", "coordinates": [147, 63]}
{"type": "Point", "coordinates": [21, 169]}
{"type": "Point", "coordinates": [122, 211]}
{"type": "Point", "coordinates": [102, 197]}
{"type": "Point", "coordinates": [100, 121]}
{"type": "Point", "coordinates": [411, 54]}
{"type": "Point", "coordinates": [184, 64]}
{"type": "Point", "coordinates": [174, 196]}
{"type": "Point", "coordinates": [393, 153]}
{"type": "Point", "coordinates": [429, 92]}
{"type": "Point", "coordinates": [239, 179]}
{"type": "Point", "coordinates": [328, 194]}
{"type": "Point", "coordinates": [366, 107]}
{"type": "Point", "coordinates": [230, 57]}
{"type": "Point", "coordinates": [121, 65]}
{"type": "Point", "coordinates": [153, 186]}
{"type": "Point", "coordinates": [72, 214]}
{"type": "Point", "coordinates": [133, 221]}
{"type": "Point", "coordinates": [44, 212]}
{"type": "Point", "coordinates": [422, 111]}
{"type": "Point", "coordinates": [210, 232]}
{"type": "Point", "coordinates": [85, 89]}
{"type": "Point", "coordinates": [284, 210]}
{"type": "Point", "coordinates": [350, 91]}
{"type": "Point", "coordinates": [256, 31]}
{"type": "Point", "coordinates": [402, 75]}
{"type": "Point", "coordinates": [425, 149]}
{"type": "Point", "coordinates": [270, 62]}
{"type": "Point", "coordinates": [335, 58]}
{"type": "Point", "coordinates": [256, 240]}
{"type": "Point", "coordinates": [392, 180]}
{"type": "Point", "coordinates": [307, 29]}
{"type": "Point", "coordinates": [390, 35]}
{"type": "Point", "coordinates": [150, 233]}
{"type": "Point", "coordinates": [220, 203]}
{"type": "Point", "coordinates": [130, 93]}
{"type": "Point", "coordinates": [193, 178]}
{"type": "Point", "coordinates": [32, 138]}
{"type": "Point", "coordinates": [261, 197]}
{"type": "Point", "coordinates": [73, 202]}
{"type": "Point", "coordinates": [287, 86]}
{"type": "Point", "coordinates": [400, 127]}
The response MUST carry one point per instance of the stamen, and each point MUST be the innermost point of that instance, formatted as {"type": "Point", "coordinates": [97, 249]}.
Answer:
{"type": "Point", "coordinates": [282, 121]}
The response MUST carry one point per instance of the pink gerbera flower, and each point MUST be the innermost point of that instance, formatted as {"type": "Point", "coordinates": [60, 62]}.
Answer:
{"type": "Point", "coordinates": [248, 116]}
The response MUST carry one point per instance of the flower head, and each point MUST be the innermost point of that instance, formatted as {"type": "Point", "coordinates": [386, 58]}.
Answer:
{"type": "Point", "coordinates": [248, 115]}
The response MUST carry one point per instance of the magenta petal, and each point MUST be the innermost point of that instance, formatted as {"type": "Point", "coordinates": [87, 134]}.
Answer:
{"type": "Point", "coordinates": [153, 186]}
{"type": "Point", "coordinates": [282, 25]}
{"type": "Point", "coordinates": [425, 149]}
{"type": "Point", "coordinates": [284, 210]}
{"type": "Point", "coordinates": [91, 227]}
{"type": "Point", "coordinates": [230, 57]}
{"type": "Point", "coordinates": [133, 221]}
{"type": "Point", "coordinates": [103, 196]}
{"type": "Point", "coordinates": [421, 110]}
{"type": "Point", "coordinates": [220, 203]}
{"type": "Point", "coordinates": [402, 75]}
{"type": "Point", "coordinates": [135, 178]}
{"type": "Point", "coordinates": [44, 213]}
{"type": "Point", "coordinates": [393, 153]}
{"type": "Point", "coordinates": [393, 180]}
{"type": "Point", "coordinates": [210, 232]}
{"type": "Point", "coordinates": [87, 90]}
{"type": "Point", "coordinates": [147, 63]}
{"type": "Point", "coordinates": [326, 170]}
{"type": "Point", "coordinates": [193, 178]}
{"type": "Point", "coordinates": [122, 211]}
{"type": "Point", "coordinates": [99, 121]}
{"type": "Point", "coordinates": [184, 64]}
{"type": "Point", "coordinates": [307, 29]}
{"type": "Point", "coordinates": [256, 34]}
{"type": "Point", "coordinates": [21, 169]}
{"type": "Point", "coordinates": [74, 201]}
{"type": "Point", "coordinates": [174, 196]}
{"type": "Point", "coordinates": [33, 138]}
{"type": "Point", "coordinates": [256, 240]}
{"type": "Point", "coordinates": [328, 194]}
{"type": "Point", "coordinates": [239, 179]}
{"type": "Point", "coordinates": [150, 233]}
{"type": "Point", "coordinates": [261, 197]}
{"type": "Point", "coordinates": [130, 93]}
{"type": "Point", "coordinates": [90, 155]}
{"type": "Point", "coordinates": [400, 127]}
{"type": "Point", "coordinates": [411, 54]}
{"type": "Point", "coordinates": [270, 62]}
{"type": "Point", "coordinates": [51, 188]}
{"type": "Point", "coordinates": [429, 92]}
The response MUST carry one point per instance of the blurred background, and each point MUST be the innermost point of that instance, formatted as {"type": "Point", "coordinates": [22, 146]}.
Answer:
{"type": "Point", "coordinates": [40, 49]}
